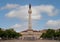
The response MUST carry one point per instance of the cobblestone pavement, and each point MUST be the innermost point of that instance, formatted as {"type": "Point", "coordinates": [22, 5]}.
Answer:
{"type": "Point", "coordinates": [29, 41]}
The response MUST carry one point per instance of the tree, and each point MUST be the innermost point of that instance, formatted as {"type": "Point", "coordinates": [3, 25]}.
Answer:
{"type": "Point", "coordinates": [49, 34]}
{"type": "Point", "coordinates": [43, 35]}
{"type": "Point", "coordinates": [9, 34]}
{"type": "Point", "coordinates": [57, 34]}
{"type": "Point", "coordinates": [1, 33]}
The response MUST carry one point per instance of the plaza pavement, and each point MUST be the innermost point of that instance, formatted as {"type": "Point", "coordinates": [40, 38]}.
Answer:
{"type": "Point", "coordinates": [29, 41]}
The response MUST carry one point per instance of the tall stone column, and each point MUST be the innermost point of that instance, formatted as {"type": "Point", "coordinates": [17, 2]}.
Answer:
{"type": "Point", "coordinates": [30, 19]}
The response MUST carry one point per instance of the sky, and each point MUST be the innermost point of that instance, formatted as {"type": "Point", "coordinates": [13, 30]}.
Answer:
{"type": "Point", "coordinates": [14, 14]}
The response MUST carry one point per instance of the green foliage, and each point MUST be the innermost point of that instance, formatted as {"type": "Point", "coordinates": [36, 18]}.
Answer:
{"type": "Point", "coordinates": [9, 34]}
{"type": "Point", "coordinates": [51, 34]}
{"type": "Point", "coordinates": [43, 35]}
{"type": "Point", "coordinates": [1, 32]}
{"type": "Point", "coordinates": [57, 34]}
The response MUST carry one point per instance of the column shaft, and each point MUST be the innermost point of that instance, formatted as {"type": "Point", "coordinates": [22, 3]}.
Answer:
{"type": "Point", "coordinates": [30, 22]}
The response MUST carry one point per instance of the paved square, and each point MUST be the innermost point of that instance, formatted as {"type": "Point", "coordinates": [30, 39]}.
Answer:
{"type": "Point", "coordinates": [29, 41]}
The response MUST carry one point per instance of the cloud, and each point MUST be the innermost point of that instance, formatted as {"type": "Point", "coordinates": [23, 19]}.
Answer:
{"type": "Point", "coordinates": [10, 6]}
{"type": "Point", "coordinates": [49, 9]}
{"type": "Point", "coordinates": [21, 12]}
{"type": "Point", "coordinates": [54, 24]}
{"type": "Point", "coordinates": [23, 26]}
{"type": "Point", "coordinates": [16, 26]}
{"type": "Point", "coordinates": [19, 27]}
